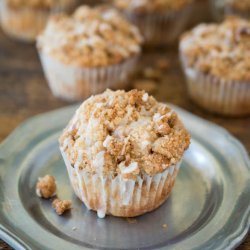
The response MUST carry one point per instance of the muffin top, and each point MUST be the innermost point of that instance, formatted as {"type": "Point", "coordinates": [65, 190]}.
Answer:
{"type": "Point", "coordinates": [39, 4]}
{"type": "Point", "coordinates": [222, 50]}
{"type": "Point", "coordinates": [91, 37]}
{"type": "Point", "coordinates": [127, 133]}
{"type": "Point", "coordinates": [151, 5]}
{"type": "Point", "coordinates": [242, 5]}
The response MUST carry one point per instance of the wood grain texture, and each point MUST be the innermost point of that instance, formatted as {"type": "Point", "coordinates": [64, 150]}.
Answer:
{"type": "Point", "coordinates": [24, 93]}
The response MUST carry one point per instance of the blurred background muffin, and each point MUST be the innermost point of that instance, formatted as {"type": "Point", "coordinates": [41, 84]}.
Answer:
{"type": "Point", "coordinates": [25, 19]}
{"type": "Point", "coordinates": [160, 21]}
{"type": "Point", "coordinates": [222, 8]}
{"type": "Point", "coordinates": [215, 59]}
{"type": "Point", "coordinates": [83, 54]}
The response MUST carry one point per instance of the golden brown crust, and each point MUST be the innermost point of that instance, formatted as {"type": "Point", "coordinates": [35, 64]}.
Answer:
{"type": "Point", "coordinates": [46, 187]}
{"type": "Point", "coordinates": [127, 133]}
{"type": "Point", "coordinates": [142, 6]}
{"type": "Point", "coordinates": [221, 50]}
{"type": "Point", "coordinates": [91, 37]}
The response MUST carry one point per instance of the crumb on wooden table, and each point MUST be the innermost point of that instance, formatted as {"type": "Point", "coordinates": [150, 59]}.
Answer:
{"type": "Point", "coordinates": [46, 187]}
{"type": "Point", "coordinates": [152, 73]}
{"type": "Point", "coordinates": [148, 85]}
{"type": "Point", "coordinates": [163, 64]}
{"type": "Point", "coordinates": [61, 206]}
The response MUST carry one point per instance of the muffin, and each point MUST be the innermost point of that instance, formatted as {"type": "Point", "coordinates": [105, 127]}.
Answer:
{"type": "Point", "coordinates": [222, 8]}
{"type": "Point", "coordinates": [87, 52]}
{"type": "Point", "coordinates": [215, 59]}
{"type": "Point", "coordinates": [25, 19]}
{"type": "Point", "coordinates": [123, 152]}
{"type": "Point", "coordinates": [160, 21]}
{"type": "Point", "coordinates": [239, 8]}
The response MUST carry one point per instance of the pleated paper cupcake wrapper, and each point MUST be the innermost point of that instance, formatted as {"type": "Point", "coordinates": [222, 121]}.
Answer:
{"type": "Point", "coordinates": [25, 24]}
{"type": "Point", "coordinates": [118, 196]}
{"type": "Point", "coordinates": [160, 29]}
{"type": "Point", "coordinates": [75, 83]}
{"type": "Point", "coordinates": [217, 95]}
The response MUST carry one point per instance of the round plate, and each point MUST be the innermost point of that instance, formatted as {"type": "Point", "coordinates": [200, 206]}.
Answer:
{"type": "Point", "coordinates": [208, 208]}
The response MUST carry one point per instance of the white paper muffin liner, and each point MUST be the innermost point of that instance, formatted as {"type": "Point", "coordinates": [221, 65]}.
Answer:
{"type": "Point", "coordinates": [217, 95]}
{"type": "Point", "coordinates": [25, 23]}
{"type": "Point", "coordinates": [77, 83]}
{"type": "Point", "coordinates": [160, 29]}
{"type": "Point", "coordinates": [118, 196]}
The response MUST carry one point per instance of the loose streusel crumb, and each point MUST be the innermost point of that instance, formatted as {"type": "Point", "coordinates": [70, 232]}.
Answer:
{"type": "Point", "coordinates": [148, 85]}
{"type": "Point", "coordinates": [165, 226]}
{"type": "Point", "coordinates": [61, 206]}
{"type": "Point", "coordinates": [152, 73]}
{"type": "Point", "coordinates": [131, 220]}
{"type": "Point", "coordinates": [46, 187]}
{"type": "Point", "coordinates": [142, 6]}
{"type": "Point", "coordinates": [39, 4]}
{"type": "Point", "coordinates": [91, 37]}
{"type": "Point", "coordinates": [163, 64]}
{"type": "Point", "coordinates": [221, 50]}
{"type": "Point", "coordinates": [127, 133]}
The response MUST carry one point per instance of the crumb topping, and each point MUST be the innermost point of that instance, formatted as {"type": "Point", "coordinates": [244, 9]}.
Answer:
{"type": "Point", "coordinates": [151, 6]}
{"type": "Point", "coordinates": [127, 133]}
{"type": "Point", "coordinates": [222, 49]}
{"type": "Point", "coordinates": [61, 206]}
{"type": "Point", "coordinates": [46, 187]}
{"type": "Point", "coordinates": [91, 37]}
{"type": "Point", "coordinates": [39, 4]}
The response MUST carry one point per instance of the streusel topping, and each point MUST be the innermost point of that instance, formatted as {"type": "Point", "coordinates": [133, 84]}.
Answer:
{"type": "Point", "coordinates": [127, 133]}
{"type": "Point", "coordinates": [91, 37]}
{"type": "Point", "coordinates": [151, 5]}
{"type": "Point", "coordinates": [222, 49]}
{"type": "Point", "coordinates": [39, 4]}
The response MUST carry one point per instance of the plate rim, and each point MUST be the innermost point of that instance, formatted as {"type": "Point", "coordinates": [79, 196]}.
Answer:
{"type": "Point", "coordinates": [229, 242]}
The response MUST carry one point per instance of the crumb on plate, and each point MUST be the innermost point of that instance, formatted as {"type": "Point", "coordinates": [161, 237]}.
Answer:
{"type": "Point", "coordinates": [46, 187]}
{"type": "Point", "coordinates": [61, 206]}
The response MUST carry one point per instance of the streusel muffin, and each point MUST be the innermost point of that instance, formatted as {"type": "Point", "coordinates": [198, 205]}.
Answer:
{"type": "Point", "coordinates": [83, 54]}
{"type": "Point", "coordinates": [160, 21]}
{"type": "Point", "coordinates": [239, 8]}
{"type": "Point", "coordinates": [215, 58]}
{"type": "Point", "coordinates": [123, 152]}
{"type": "Point", "coordinates": [222, 8]}
{"type": "Point", "coordinates": [25, 19]}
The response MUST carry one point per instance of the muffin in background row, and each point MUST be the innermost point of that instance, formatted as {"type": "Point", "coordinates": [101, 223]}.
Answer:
{"type": "Point", "coordinates": [160, 21]}
{"type": "Point", "coordinates": [123, 152]}
{"type": "Point", "coordinates": [222, 8]}
{"type": "Point", "coordinates": [87, 52]}
{"type": "Point", "coordinates": [216, 62]}
{"type": "Point", "coordinates": [25, 19]}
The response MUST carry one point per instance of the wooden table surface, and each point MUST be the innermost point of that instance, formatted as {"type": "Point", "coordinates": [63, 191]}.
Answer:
{"type": "Point", "coordinates": [24, 93]}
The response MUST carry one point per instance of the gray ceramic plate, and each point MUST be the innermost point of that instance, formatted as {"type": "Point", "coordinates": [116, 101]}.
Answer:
{"type": "Point", "coordinates": [208, 208]}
